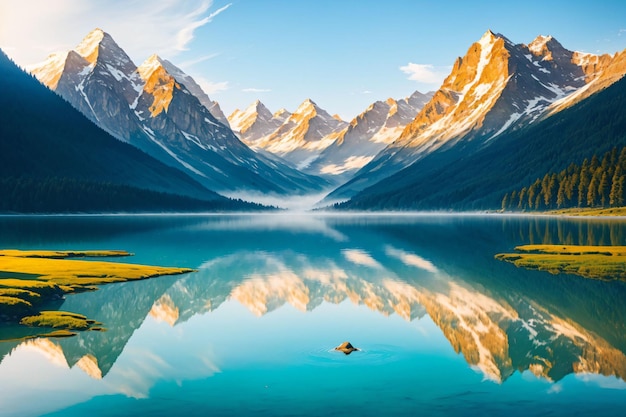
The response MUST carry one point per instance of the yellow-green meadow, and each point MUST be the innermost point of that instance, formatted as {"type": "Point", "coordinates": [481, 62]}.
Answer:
{"type": "Point", "coordinates": [29, 279]}
{"type": "Point", "coordinates": [598, 262]}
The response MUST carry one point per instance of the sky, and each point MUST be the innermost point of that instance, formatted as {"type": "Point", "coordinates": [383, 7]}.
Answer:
{"type": "Point", "coordinates": [342, 54]}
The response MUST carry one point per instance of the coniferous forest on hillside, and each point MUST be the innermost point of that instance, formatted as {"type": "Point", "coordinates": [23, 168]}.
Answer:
{"type": "Point", "coordinates": [595, 183]}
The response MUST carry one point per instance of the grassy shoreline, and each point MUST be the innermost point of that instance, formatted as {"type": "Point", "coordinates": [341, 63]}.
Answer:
{"type": "Point", "coordinates": [575, 212]}
{"type": "Point", "coordinates": [598, 262]}
{"type": "Point", "coordinates": [31, 279]}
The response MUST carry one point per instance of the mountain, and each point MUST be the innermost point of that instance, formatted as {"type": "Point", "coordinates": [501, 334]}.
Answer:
{"type": "Point", "coordinates": [366, 135]}
{"type": "Point", "coordinates": [479, 179]}
{"type": "Point", "coordinates": [153, 108]}
{"type": "Point", "coordinates": [300, 136]}
{"type": "Point", "coordinates": [53, 159]}
{"type": "Point", "coordinates": [327, 152]}
{"type": "Point", "coordinates": [496, 87]}
{"type": "Point", "coordinates": [212, 106]}
{"type": "Point", "coordinates": [256, 121]}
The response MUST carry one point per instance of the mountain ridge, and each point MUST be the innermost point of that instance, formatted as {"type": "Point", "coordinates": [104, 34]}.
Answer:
{"type": "Point", "coordinates": [150, 108]}
{"type": "Point", "coordinates": [496, 87]}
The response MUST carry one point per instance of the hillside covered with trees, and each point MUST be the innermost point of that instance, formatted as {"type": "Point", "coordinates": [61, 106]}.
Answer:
{"type": "Point", "coordinates": [595, 183]}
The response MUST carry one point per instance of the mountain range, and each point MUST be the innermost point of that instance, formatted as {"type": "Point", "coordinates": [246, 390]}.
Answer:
{"type": "Point", "coordinates": [324, 145]}
{"type": "Point", "coordinates": [53, 159]}
{"type": "Point", "coordinates": [507, 113]}
{"type": "Point", "coordinates": [152, 108]}
{"type": "Point", "coordinates": [496, 90]}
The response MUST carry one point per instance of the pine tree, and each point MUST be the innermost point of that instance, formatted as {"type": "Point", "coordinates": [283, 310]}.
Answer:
{"type": "Point", "coordinates": [522, 199]}
{"type": "Point", "coordinates": [592, 192]}
{"type": "Point", "coordinates": [560, 195]}
{"type": "Point", "coordinates": [614, 187]}
{"type": "Point", "coordinates": [583, 183]}
{"type": "Point", "coordinates": [603, 189]}
{"type": "Point", "coordinates": [505, 202]}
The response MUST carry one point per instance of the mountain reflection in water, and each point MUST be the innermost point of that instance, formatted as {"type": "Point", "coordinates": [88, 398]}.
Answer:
{"type": "Point", "coordinates": [499, 318]}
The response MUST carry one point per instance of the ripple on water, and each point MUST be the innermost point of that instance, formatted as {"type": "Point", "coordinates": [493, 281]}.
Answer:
{"type": "Point", "coordinates": [371, 355]}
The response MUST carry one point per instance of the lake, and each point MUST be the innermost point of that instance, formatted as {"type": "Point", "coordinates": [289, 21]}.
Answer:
{"type": "Point", "coordinates": [443, 328]}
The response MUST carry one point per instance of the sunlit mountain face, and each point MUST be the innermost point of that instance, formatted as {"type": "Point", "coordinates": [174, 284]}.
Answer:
{"type": "Point", "coordinates": [496, 88]}
{"type": "Point", "coordinates": [501, 320]}
{"type": "Point", "coordinates": [324, 145]}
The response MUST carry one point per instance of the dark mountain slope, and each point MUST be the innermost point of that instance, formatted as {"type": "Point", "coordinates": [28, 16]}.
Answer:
{"type": "Point", "coordinates": [448, 180]}
{"type": "Point", "coordinates": [42, 137]}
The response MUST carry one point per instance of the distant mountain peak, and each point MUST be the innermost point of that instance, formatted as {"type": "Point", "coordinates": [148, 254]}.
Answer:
{"type": "Point", "coordinates": [307, 103]}
{"type": "Point", "coordinates": [50, 71]}
{"type": "Point", "coordinates": [155, 58]}
{"type": "Point", "coordinates": [488, 36]}
{"type": "Point", "coordinates": [255, 116]}
{"type": "Point", "coordinates": [283, 112]}
{"type": "Point", "coordinates": [539, 42]}
{"type": "Point", "coordinates": [149, 66]}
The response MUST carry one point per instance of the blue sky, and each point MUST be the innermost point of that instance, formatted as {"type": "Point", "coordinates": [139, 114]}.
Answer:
{"type": "Point", "coordinates": [343, 54]}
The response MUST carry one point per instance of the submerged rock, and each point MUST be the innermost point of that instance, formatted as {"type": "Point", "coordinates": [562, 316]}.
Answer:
{"type": "Point", "coordinates": [346, 347]}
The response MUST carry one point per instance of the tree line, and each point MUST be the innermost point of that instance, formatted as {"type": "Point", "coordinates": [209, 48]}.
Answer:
{"type": "Point", "coordinates": [598, 182]}
{"type": "Point", "coordinates": [71, 195]}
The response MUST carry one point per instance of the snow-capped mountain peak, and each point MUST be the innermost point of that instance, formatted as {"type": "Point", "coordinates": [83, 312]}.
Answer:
{"type": "Point", "coordinates": [307, 107]}
{"type": "Point", "coordinates": [192, 86]}
{"type": "Point", "coordinates": [256, 116]}
{"type": "Point", "coordinates": [281, 114]}
{"type": "Point", "coordinates": [90, 45]}
{"type": "Point", "coordinates": [49, 72]}
{"type": "Point", "coordinates": [539, 45]}
{"type": "Point", "coordinates": [150, 66]}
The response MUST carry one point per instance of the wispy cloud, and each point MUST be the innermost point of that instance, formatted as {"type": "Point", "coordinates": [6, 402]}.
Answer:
{"type": "Point", "coordinates": [256, 90]}
{"type": "Point", "coordinates": [211, 87]}
{"type": "Point", "coordinates": [366, 92]}
{"type": "Point", "coordinates": [185, 35]}
{"type": "Point", "coordinates": [190, 63]}
{"type": "Point", "coordinates": [424, 73]}
{"type": "Point", "coordinates": [620, 32]}
{"type": "Point", "coordinates": [165, 27]}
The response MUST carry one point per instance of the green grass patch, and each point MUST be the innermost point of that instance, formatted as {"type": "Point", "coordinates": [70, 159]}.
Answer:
{"type": "Point", "coordinates": [59, 320]}
{"type": "Point", "coordinates": [613, 211]}
{"type": "Point", "coordinates": [29, 279]}
{"type": "Point", "coordinates": [63, 254]}
{"type": "Point", "coordinates": [14, 301]}
{"type": "Point", "coordinates": [598, 262]}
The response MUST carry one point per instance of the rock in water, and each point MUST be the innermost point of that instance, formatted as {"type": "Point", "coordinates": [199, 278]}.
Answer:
{"type": "Point", "coordinates": [346, 347]}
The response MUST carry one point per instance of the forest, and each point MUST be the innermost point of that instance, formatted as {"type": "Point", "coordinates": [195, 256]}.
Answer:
{"type": "Point", "coordinates": [598, 182]}
{"type": "Point", "coordinates": [70, 195]}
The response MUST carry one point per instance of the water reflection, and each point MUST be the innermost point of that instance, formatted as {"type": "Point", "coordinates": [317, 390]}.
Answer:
{"type": "Point", "coordinates": [501, 319]}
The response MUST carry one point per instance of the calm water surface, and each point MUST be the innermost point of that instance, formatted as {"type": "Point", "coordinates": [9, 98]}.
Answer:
{"type": "Point", "coordinates": [443, 327]}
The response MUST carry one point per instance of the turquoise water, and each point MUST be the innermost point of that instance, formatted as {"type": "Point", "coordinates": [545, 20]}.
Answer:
{"type": "Point", "coordinates": [443, 327]}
